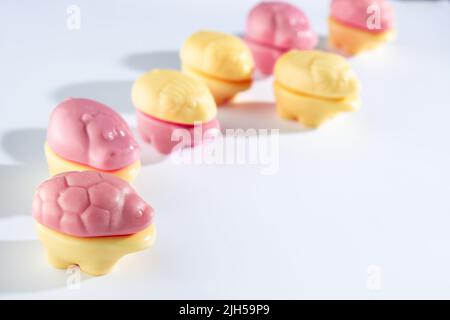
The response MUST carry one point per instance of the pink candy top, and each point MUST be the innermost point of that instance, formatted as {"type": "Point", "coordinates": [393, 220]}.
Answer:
{"type": "Point", "coordinates": [280, 25]}
{"type": "Point", "coordinates": [90, 133]}
{"type": "Point", "coordinates": [90, 204]}
{"type": "Point", "coordinates": [363, 14]}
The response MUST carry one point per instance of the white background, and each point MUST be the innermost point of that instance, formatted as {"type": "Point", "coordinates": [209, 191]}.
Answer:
{"type": "Point", "coordinates": [367, 189]}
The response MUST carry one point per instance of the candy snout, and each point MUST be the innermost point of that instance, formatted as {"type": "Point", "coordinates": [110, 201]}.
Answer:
{"type": "Point", "coordinates": [114, 157]}
{"type": "Point", "coordinates": [137, 213]}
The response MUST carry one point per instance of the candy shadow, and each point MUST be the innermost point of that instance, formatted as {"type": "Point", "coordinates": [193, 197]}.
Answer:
{"type": "Point", "coordinates": [24, 268]}
{"type": "Point", "coordinates": [116, 94]}
{"type": "Point", "coordinates": [17, 185]}
{"type": "Point", "coordinates": [146, 61]}
{"type": "Point", "coordinates": [256, 115]}
{"type": "Point", "coordinates": [25, 146]}
{"type": "Point", "coordinates": [323, 43]}
{"type": "Point", "coordinates": [149, 155]}
{"type": "Point", "coordinates": [18, 182]}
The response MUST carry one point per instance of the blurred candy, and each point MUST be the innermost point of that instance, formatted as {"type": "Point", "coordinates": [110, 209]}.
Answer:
{"type": "Point", "coordinates": [274, 28]}
{"type": "Point", "coordinates": [313, 86]}
{"type": "Point", "coordinates": [223, 62]}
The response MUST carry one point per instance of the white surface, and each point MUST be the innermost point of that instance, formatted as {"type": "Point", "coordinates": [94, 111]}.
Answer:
{"type": "Point", "coordinates": [370, 188]}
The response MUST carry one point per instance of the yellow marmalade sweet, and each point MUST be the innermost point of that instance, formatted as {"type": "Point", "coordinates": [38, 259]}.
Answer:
{"type": "Point", "coordinates": [352, 41]}
{"type": "Point", "coordinates": [96, 256]}
{"type": "Point", "coordinates": [313, 86]}
{"type": "Point", "coordinates": [222, 61]}
{"type": "Point", "coordinates": [173, 96]}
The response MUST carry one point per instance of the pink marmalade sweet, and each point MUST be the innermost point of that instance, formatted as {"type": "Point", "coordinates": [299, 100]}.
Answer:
{"type": "Point", "coordinates": [274, 28]}
{"type": "Point", "coordinates": [355, 13]}
{"type": "Point", "coordinates": [90, 204]}
{"type": "Point", "coordinates": [163, 136]}
{"type": "Point", "coordinates": [90, 133]}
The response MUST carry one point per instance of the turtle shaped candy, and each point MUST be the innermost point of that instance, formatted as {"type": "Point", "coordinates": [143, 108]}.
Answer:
{"type": "Point", "coordinates": [91, 219]}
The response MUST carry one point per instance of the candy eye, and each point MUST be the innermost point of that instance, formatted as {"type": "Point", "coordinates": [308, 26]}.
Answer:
{"type": "Point", "coordinates": [108, 135]}
{"type": "Point", "coordinates": [86, 118]}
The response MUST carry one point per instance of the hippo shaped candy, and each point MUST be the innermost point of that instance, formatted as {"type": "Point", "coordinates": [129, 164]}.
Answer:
{"type": "Point", "coordinates": [86, 135]}
{"type": "Point", "coordinates": [91, 219]}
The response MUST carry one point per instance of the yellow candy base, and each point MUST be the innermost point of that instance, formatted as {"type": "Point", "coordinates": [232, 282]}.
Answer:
{"type": "Point", "coordinates": [95, 256]}
{"type": "Point", "coordinates": [352, 41]}
{"type": "Point", "coordinates": [222, 90]}
{"type": "Point", "coordinates": [57, 164]}
{"type": "Point", "coordinates": [308, 110]}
